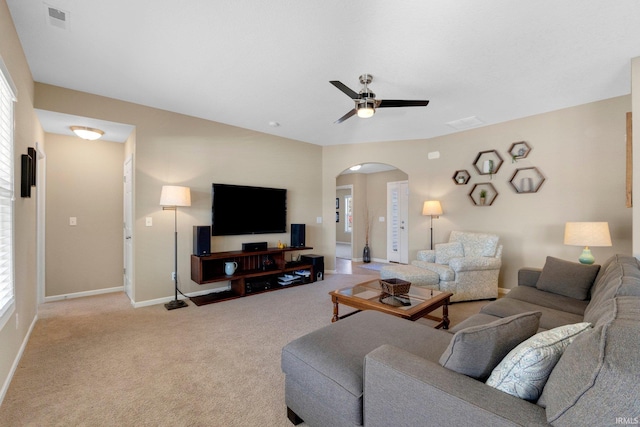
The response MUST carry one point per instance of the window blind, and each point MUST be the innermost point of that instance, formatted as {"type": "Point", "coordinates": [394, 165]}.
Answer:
{"type": "Point", "coordinates": [7, 98]}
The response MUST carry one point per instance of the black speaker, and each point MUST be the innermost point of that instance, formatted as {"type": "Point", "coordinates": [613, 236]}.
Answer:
{"type": "Point", "coordinates": [201, 240]}
{"type": "Point", "coordinates": [297, 235]}
{"type": "Point", "coordinates": [318, 264]}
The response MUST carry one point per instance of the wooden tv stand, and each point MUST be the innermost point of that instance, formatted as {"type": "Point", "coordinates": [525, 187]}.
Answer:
{"type": "Point", "coordinates": [258, 271]}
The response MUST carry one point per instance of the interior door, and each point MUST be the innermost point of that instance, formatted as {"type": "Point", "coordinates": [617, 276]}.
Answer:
{"type": "Point", "coordinates": [128, 227]}
{"type": "Point", "coordinates": [398, 222]}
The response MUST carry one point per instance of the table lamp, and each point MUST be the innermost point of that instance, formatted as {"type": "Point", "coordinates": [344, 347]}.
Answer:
{"type": "Point", "coordinates": [587, 234]}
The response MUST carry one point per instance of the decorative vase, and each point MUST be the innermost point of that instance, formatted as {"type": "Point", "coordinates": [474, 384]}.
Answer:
{"type": "Point", "coordinates": [366, 253]}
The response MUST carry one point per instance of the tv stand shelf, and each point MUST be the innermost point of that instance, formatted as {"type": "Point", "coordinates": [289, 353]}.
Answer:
{"type": "Point", "coordinates": [257, 271]}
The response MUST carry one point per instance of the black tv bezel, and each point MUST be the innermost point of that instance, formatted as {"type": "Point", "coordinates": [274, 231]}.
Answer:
{"type": "Point", "coordinates": [249, 231]}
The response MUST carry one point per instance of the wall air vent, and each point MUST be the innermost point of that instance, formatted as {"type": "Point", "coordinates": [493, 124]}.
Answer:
{"type": "Point", "coordinates": [57, 18]}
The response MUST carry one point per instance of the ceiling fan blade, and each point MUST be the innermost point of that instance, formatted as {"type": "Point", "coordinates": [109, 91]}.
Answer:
{"type": "Point", "coordinates": [387, 103]}
{"type": "Point", "coordinates": [346, 116]}
{"type": "Point", "coordinates": [350, 93]}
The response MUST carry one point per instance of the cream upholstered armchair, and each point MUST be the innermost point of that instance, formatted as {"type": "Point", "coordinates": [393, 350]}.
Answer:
{"type": "Point", "coordinates": [468, 265]}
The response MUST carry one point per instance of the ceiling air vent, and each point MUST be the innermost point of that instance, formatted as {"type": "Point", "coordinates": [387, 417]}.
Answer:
{"type": "Point", "coordinates": [466, 123]}
{"type": "Point", "coordinates": [57, 18]}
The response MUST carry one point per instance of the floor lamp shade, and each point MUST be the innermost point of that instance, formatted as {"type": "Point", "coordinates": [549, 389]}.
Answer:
{"type": "Point", "coordinates": [587, 234]}
{"type": "Point", "coordinates": [432, 208]}
{"type": "Point", "coordinates": [173, 195]}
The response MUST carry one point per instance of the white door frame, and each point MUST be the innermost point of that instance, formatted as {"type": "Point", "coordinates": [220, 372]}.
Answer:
{"type": "Point", "coordinates": [128, 282]}
{"type": "Point", "coordinates": [401, 253]}
{"type": "Point", "coordinates": [41, 192]}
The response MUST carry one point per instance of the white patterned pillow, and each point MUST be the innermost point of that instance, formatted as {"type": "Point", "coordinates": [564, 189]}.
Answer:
{"type": "Point", "coordinates": [446, 251]}
{"type": "Point", "coordinates": [525, 370]}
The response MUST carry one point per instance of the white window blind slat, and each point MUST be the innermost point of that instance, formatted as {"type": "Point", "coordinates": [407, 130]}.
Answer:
{"type": "Point", "coordinates": [7, 270]}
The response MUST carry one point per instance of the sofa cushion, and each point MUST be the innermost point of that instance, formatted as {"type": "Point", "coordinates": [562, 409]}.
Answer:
{"type": "Point", "coordinates": [525, 370]}
{"type": "Point", "coordinates": [476, 350]}
{"type": "Point", "coordinates": [567, 278]}
{"type": "Point", "coordinates": [548, 299]}
{"type": "Point", "coordinates": [551, 318]}
{"type": "Point", "coordinates": [446, 251]}
{"type": "Point", "coordinates": [596, 379]}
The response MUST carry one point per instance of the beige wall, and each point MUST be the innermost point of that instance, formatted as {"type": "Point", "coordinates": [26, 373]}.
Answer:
{"type": "Point", "coordinates": [27, 131]}
{"type": "Point", "coordinates": [580, 150]}
{"type": "Point", "coordinates": [84, 180]}
{"type": "Point", "coordinates": [175, 149]}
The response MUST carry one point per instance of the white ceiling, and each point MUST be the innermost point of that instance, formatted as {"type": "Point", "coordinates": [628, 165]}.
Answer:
{"type": "Point", "coordinates": [249, 63]}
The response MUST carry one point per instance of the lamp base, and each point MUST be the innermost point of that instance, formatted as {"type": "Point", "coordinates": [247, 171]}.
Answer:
{"type": "Point", "coordinates": [177, 303]}
{"type": "Point", "coordinates": [586, 257]}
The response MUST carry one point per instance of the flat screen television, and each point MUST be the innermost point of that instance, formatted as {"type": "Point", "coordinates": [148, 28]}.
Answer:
{"type": "Point", "coordinates": [240, 209]}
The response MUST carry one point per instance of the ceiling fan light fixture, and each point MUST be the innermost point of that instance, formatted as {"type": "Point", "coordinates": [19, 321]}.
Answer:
{"type": "Point", "coordinates": [365, 109]}
{"type": "Point", "coordinates": [87, 133]}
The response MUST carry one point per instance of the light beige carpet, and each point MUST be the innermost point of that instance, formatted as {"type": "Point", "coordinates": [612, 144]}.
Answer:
{"type": "Point", "coordinates": [96, 361]}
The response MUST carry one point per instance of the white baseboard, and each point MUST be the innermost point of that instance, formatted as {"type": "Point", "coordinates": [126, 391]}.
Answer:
{"type": "Point", "coordinates": [84, 294]}
{"type": "Point", "coordinates": [16, 361]}
{"type": "Point", "coordinates": [180, 297]}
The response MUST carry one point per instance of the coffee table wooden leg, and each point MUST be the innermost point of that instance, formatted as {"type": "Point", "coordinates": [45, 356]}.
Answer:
{"type": "Point", "coordinates": [335, 311]}
{"type": "Point", "coordinates": [445, 315]}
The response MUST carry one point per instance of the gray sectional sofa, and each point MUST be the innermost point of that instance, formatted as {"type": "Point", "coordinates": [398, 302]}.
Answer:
{"type": "Point", "coordinates": [580, 324]}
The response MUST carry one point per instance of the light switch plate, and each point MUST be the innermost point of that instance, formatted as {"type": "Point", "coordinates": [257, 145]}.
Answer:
{"type": "Point", "coordinates": [73, 220]}
{"type": "Point", "coordinates": [148, 221]}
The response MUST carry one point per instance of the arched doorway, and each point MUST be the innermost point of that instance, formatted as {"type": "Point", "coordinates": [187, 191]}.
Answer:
{"type": "Point", "coordinates": [362, 214]}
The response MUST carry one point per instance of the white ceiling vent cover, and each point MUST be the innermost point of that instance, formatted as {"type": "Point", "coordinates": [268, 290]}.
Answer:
{"type": "Point", "coordinates": [57, 17]}
{"type": "Point", "coordinates": [466, 123]}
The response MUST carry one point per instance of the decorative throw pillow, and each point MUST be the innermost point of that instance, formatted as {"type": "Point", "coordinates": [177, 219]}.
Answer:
{"type": "Point", "coordinates": [446, 251]}
{"type": "Point", "coordinates": [567, 278]}
{"type": "Point", "coordinates": [476, 350]}
{"type": "Point", "coordinates": [525, 370]}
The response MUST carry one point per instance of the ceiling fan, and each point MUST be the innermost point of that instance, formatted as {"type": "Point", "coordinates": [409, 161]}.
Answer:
{"type": "Point", "coordinates": [366, 103]}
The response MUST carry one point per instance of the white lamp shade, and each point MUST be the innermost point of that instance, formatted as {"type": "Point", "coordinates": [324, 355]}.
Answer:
{"type": "Point", "coordinates": [587, 234]}
{"type": "Point", "coordinates": [173, 195]}
{"type": "Point", "coordinates": [432, 207]}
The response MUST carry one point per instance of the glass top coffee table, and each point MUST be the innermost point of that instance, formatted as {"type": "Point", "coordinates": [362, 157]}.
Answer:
{"type": "Point", "coordinates": [418, 303]}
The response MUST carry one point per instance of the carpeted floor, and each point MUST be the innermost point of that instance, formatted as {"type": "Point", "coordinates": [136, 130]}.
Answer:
{"type": "Point", "coordinates": [96, 361]}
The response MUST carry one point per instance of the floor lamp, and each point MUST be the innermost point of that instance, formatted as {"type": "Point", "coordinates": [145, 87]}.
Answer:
{"type": "Point", "coordinates": [170, 198]}
{"type": "Point", "coordinates": [432, 208]}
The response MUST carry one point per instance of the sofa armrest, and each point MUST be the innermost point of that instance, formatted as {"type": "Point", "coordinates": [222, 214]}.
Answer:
{"type": "Point", "coordinates": [475, 263]}
{"type": "Point", "coordinates": [427, 255]}
{"type": "Point", "coordinates": [528, 276]}
{"type": "Point", "coordinates": [402, 389]}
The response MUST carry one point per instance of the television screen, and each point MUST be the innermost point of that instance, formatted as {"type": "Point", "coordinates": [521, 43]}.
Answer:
{"type": "Point", "coordinates": [239, 209]}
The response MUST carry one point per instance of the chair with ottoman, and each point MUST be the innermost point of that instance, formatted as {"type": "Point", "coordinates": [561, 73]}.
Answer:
{"type": "Point", "coordinates": [468, 266]}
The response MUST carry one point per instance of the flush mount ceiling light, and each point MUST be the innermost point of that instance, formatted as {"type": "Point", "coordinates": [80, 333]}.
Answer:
{"type": "Point", "coordinates": [355, 167]}
{"type": "Point", "coordinates": [88, 133]}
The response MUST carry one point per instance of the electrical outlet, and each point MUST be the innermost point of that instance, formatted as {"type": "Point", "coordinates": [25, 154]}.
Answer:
{"type": "Point", "coordinates": [73, 220]}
